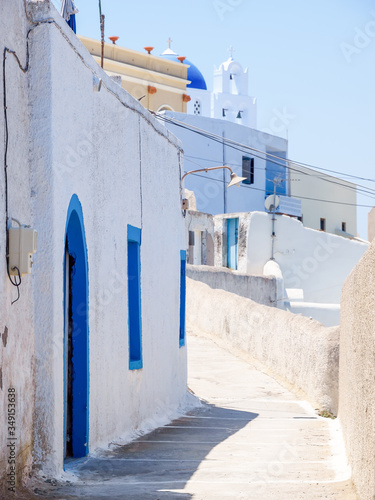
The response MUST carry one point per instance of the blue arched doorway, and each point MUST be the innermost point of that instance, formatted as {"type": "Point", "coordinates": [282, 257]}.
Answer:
{"type": "Point", "coordinates": [76, 335]}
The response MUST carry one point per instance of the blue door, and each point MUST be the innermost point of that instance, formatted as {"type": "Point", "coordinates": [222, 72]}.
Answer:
{"type": "Point", "coordinates": [232, 243]}
{"type": "Point", "coordinates": [76, 358]}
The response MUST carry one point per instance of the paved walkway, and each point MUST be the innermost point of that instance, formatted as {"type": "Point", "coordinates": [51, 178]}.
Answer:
{"type": "Point", "coordinates": [250, 440]}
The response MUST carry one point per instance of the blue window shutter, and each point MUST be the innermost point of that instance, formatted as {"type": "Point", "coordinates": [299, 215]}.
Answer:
{"type": "Point", "coordinates": [134, 298]}
{"type": "Point", "coordinates": [182, 296]}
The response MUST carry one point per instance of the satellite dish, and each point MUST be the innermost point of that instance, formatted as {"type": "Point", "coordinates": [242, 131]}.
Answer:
{"type": "Point", "coordinates": [271, 202]}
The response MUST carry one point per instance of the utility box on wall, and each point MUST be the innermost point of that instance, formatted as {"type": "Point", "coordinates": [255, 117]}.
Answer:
{"type": "Point", "coordinates": [22, 246]}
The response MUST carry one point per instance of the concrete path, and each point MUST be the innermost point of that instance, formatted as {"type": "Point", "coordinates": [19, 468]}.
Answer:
{"type": "Point", "coordinates": [250, 440]}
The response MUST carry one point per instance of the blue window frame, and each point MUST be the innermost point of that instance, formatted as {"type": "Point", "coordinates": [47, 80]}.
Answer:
{"type": "Point", "coordinates": [134, 298]}
{"type": "Point", "coordinates": [182, 296]}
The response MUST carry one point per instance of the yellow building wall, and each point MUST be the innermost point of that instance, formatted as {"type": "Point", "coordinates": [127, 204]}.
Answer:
{"type": "Point", "coordinates": [158, 82]}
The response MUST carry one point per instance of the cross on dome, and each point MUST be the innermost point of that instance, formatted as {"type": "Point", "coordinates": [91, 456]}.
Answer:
{"type": "Point", "coordinates": [169, 51]}
{"type": "Point", "coordinates": [231, 50]}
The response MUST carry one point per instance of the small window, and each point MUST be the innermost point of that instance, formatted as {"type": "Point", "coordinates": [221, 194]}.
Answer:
{"type": "Point", "coordinates": [134, 298]}
{"type": "Point", "coordinates": [322, 224]}
{"type": "Point", "coordinates": [197, 107]}
{"type": "Point", "coordinates": [182, 296]}
{"type": "Point", "coordinates": [191, 238]}
{"type": "Point", "coordinates": [224, 112]}
{"type": "Point", "coordinates": [248, 170]}
{"type": "Point", "coordinates": [343, 226]}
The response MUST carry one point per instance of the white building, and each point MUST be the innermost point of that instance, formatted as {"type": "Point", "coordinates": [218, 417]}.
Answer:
{"type": "Point", "coordinates": [228, 112]}
{"type": "Point", "coordinates": [202, 151]}
{"type": "Point", "coordinates": [336, 215]}
{"type": "Point", "coordinates": [94, 348]}
{"type": "Point", "coordinates": [319, 200]}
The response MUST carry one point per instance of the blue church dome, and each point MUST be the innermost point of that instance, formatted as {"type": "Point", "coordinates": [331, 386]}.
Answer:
{"type": "Point", "coordinates": [196, 78]}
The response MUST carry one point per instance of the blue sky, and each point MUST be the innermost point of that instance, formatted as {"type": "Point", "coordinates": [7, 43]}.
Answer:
{"type": "Point", "coordinates": [311, 62]}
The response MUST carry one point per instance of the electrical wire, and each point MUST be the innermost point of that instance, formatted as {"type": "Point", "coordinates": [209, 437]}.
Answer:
{"type": "Point", "coordinates": [6, 145]}
{"type": "Point", "coordinates": [24, 69]}
{"type": "Point", "coordinates": [302, 197]}
{"type": "Point", "coordinates": [366, 191]}
{"type": "Point", "coordinates": [230, 141]}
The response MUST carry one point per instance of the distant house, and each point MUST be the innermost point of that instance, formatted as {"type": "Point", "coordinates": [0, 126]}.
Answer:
{"type": "Point", "coordinates": [336, 215]}
{"type": "Point", "coordinates": [94, 348]}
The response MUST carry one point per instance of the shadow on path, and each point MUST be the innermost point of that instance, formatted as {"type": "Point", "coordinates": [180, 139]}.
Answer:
{"type": "Point", "coordinates": [155, 466]}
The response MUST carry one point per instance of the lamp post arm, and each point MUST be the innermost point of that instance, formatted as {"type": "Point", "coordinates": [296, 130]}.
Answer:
{"type": "Point", "coordinates": [206, 170]}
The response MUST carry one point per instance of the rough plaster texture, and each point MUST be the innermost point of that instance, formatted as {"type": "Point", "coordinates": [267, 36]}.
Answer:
{"type": "Point", "coordinates": [357, 373]}
{"type": "Point", "coordinates": [106, 148]}
{"type": "Point", "coordinates": [371, 224]}
{"type": "Point", "coordinates": [260, 289]}
{"type": "Point", "coordinates": [298, 351]}
{"type": "Point", "coordinates": [190, 196]}
{"type": "Point", "coordinates": [203, 251]}
{"type": "Point", "coordinates": [17, 352]}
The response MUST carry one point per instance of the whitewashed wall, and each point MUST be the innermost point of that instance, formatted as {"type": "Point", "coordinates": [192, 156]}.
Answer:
{"type": "Point", "coordinates": [125, 169]}
{"type": "Point", "coordinates": [17, 356]}
{"type": "Point", "coordinates": [314, 261]}
{"type": "Point", "coordinates": [313, 264]}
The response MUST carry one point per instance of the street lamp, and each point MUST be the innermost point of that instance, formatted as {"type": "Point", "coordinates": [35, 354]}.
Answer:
{"type": "Point", "coordinates": [235, 180]}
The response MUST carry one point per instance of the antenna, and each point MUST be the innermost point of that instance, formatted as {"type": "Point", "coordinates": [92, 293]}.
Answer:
{"type": "Point", "coordinates": [272, 202]}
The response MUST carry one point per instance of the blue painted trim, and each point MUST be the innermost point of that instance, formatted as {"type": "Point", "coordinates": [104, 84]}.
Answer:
{"type": "Point", "coordinates": [232, 243]}
{"type": "Point", "coordinates": [182, 297]}
{"type": "Point", "coordinates": [135, 365]}
{"type": "Point", "coordinates": [75, 241]}
{"type": "Point", "coordinates": [134, 234]}
{"type": "Point", "coordinates": [134, 298]}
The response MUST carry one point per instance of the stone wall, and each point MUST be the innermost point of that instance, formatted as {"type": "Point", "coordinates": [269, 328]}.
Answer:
{"type": "Point", "coordinates": [357, 373]}
{"type": "Point", "coordinates": [299, 352]}
{"type": "Point", "coordinates": [260, 289]}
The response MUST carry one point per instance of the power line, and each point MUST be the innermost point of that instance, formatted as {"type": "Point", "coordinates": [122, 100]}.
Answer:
{"type": "Point", "coordinates": [230, 141]}
{"type": "Point", "coordinates": [301, 197]}
{"type": "Point", "coordinates": [365, 192]}
{"type": "Point", "coordinates": [368, 193]}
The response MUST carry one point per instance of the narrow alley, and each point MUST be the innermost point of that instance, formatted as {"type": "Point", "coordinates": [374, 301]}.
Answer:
{"type": "Point", "coordinates": [250, 439]}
